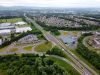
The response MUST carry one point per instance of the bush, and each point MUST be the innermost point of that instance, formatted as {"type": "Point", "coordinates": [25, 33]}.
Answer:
{"type": "Point", "coordinates": [89, 55]}
{"type": "Point", "coordinates": [56, 51]}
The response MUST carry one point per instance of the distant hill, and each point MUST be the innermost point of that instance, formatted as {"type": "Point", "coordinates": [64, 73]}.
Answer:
{"type": "Point", "coordinates": [15, 8]}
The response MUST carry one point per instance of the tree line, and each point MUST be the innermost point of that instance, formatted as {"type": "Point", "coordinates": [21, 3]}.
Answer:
{"type": "Point", "coordinates": [56, 51]}
{"type": "Point", "coordinates": [29, 64]}
{"type": "Point", "coordinates": [89, 55]}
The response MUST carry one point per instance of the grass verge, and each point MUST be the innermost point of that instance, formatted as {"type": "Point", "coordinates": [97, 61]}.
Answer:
{"type": "Point", "coordinates": [28, 48]}
{"type": "Point", "coordinates": [67, 67]}
{"type": "Point", "coordinates": [13, 49]}
{"type": "Point", "coordinates": [43, 47]}
{"type": "Point", "coordinates": [80, 57]}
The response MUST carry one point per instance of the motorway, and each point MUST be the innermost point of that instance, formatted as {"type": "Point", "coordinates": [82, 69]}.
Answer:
{"type": "Point", "coordinates": [83, 68]}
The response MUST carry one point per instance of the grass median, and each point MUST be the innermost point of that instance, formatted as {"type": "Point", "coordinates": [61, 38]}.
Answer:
{"type": "Point", "coordinates": [43, 47]}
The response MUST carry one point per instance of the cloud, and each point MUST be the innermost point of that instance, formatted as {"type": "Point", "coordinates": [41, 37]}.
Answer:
{"type": "Point", "coordinates": [52, 3]}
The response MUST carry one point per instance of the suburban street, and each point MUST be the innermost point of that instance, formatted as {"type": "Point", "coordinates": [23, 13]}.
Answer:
{"type": "Point", "coordinates": [81, 67]}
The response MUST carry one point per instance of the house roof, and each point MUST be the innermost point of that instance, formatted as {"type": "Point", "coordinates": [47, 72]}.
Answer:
{"type": "Point", "coordinates": [23, 29]}
{"type": "Point", "coordinates": [5, 24]}
{"type": "Point", "coordinates": [5, 31]}
{"type": "Point", "coordinates": [20, 23]}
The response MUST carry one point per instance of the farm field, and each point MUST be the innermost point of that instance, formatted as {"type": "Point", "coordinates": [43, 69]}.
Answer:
{"type": "Point", "coordinates": [12, 20]}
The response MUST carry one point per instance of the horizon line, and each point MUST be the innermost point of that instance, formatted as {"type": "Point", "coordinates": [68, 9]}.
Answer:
{"type": "Point", "coordinates": [47, 6]}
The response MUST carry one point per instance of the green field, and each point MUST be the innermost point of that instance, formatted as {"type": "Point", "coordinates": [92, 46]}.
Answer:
{"type": "Point", "coordinates": [2, 49]}
{"type": "Point", "coordinates": [12, 20]}
{"type": "Point", "coordinates": [13, 49]}
{"type": "Point", "coordinates": [43, 47]}
{"type": "Point", "coordinates": [28, 48]}
{"type": "Point", "coordinates": [68, 68]}
{"type": "Point", "coordinates": [67, 33]}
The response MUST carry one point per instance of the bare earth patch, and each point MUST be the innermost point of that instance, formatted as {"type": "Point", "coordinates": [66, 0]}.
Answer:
{"type": "Point", "coordinates": [13, 49]}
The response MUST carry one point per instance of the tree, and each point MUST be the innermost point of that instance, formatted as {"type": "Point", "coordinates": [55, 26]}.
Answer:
{"type": "Point", "coordinates": [56, 51]}
{"type": "Point", "coordinates": [89, 55]}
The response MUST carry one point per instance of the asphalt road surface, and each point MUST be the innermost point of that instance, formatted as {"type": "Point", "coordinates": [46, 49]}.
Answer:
{"type": "Point", "coordinates": [81, 66]}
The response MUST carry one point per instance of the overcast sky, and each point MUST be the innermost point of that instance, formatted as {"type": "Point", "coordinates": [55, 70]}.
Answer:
{"type": "Point", "coordinates": [51, 3]}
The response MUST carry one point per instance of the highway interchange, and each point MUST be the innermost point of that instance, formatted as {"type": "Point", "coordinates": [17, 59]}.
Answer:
{"type": "Point", "coordinates": [79, 65]}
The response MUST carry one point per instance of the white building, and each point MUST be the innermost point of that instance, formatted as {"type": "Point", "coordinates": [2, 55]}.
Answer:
{"type": "Point", "coordinates": [23, 29]}
{"type": "Point", "coordinates": [5, 24]}
{"type": "Point", "coordinates": [20, 23]}
{"type": "Point", "coordinates": [5, 31]}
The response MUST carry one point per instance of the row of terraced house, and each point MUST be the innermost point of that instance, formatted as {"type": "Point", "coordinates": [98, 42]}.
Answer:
{"type": "Point", "coordinates": [55, 21]}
